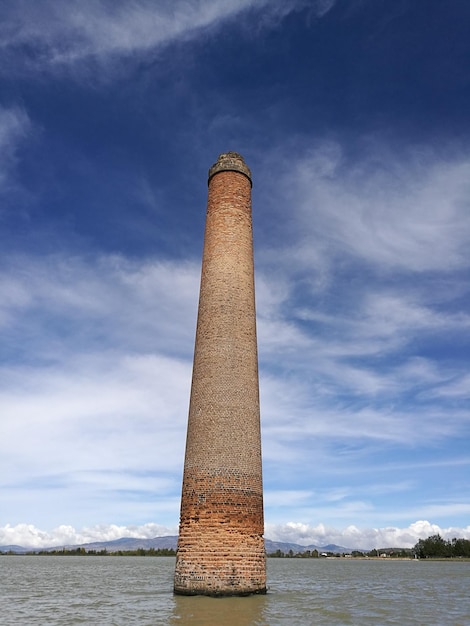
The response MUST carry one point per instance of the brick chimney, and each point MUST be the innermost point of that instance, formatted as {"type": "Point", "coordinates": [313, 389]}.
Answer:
{"type": "Point", "coordinates": [220, 546]}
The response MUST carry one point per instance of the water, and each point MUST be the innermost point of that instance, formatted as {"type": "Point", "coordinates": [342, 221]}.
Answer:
{"type": "Point", "coordinates": [125, 591]}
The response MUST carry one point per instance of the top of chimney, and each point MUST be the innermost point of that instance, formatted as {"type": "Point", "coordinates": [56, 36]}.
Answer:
{"type": "Point", "coordinates": [230, 162]}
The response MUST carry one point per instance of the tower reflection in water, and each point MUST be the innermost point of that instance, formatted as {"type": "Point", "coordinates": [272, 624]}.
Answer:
{"type": "Point", "coordinates": [227, 611]}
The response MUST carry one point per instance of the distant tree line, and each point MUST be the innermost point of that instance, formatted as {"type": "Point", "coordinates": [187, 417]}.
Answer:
{"type": "Point", "coordinates": [307, 554]}
{"type": "Point", "coordinates": [84, 552]}
{"type": "Point", "coordinates": [393, 553]}
{"type": "Point", "coordinates": [436, 547]}
{"type": "Point", "coordinates": [398, 553]}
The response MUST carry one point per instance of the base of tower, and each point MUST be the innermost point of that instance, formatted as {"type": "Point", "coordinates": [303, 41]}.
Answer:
{"type": "Point", "coordinates": [218, 557]}
{"type": "Point", "coordinates": [220, 593]}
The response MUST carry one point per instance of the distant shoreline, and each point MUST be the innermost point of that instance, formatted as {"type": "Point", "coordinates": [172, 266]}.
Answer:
{"type": "Point", "coordinates": [156, 554]}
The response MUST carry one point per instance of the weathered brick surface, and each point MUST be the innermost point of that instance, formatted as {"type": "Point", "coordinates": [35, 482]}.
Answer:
{"type": "Point", "coordinates": [221, 547]}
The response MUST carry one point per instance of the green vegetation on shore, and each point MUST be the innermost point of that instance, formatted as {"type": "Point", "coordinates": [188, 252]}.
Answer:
{"type": "Point", "coordinates": [85, 552]}
{"type": "Point", "coordinates": [434, 547]}
{"type": "Point", "coordinates": [397, 553]}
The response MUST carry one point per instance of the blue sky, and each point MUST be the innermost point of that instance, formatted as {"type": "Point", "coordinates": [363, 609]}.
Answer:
{"type": "Point", "coordinates": [353, 117]}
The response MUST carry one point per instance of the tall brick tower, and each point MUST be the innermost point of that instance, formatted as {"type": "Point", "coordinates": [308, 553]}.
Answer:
{"type": "Point", "coordinates": [221, 546]}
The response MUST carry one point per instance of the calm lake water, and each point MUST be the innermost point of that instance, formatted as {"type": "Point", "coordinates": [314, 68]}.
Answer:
{"type": "Point", "coordinates": [126, 591]}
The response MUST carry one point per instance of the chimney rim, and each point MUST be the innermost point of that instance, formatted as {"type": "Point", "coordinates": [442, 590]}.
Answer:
{"type": "Point", "coordinates": [230, 162]}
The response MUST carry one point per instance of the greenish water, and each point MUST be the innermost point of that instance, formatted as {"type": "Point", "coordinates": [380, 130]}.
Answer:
{"type": "Point", "coordinates": [125, 591]}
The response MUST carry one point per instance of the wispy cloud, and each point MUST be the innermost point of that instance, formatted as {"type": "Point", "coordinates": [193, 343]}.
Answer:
{"type": "Point", "coordinates": [94, 372]}
{"type": "Point", "coordinates": [102, 434]}
{"type": "Point", "coordinates": [98, 351]}
{"type": "Point", "coordinates": [368, 327]}
{"type": "Point", "coordinates": [60, 37]}
{"type": "Point", "coordinates": [15, 126]}
{"type": "Point", "coordinates": [110, 110]}
{"type": "Point", "coordinates": [107, 301]}
{"type": "Point", "coordinates": [404, 212]}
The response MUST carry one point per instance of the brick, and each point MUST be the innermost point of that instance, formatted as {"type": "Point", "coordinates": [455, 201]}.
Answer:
{"type": "Point", "coordinates": [220, 546]}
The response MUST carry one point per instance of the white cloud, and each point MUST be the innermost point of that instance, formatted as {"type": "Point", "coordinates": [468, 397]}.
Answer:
{"type": "Point", "coordinates": [108, 301]}
{"type": "Point", "coordinates": [365, 538]}
{"type": "Point", "coordinates": [458, 387]}
{"type": "Point", "coordinates": [96, 390]}
{"type": "Point", "coordinates": [109, 343]}
{"type": "Point", "coordinates": [286, 498]}
{"type": "Point", "coordinates": [28, 535]}
{"type": "Point", "coordinates": [407, 212]}
{"type": "Point", "coordinates": [102, 30]}
{"type": "Point", "coordinates": [364, 354]}
{"type": "Point", "coordinates": [109, 405]}
{"type": "Point", "coordinates": [100, 354]}
{"type": "Point", "coordinates": [369, 277]}
{"type": "Point", "coordinates": [328, 401]}
{"type": "Point", "coordinates": [15, 126]}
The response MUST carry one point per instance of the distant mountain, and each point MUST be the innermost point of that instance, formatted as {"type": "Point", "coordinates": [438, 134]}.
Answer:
{"type": "Point", "coordinates": [130, 543]}
{"type": "Point", "coordinates": [12, 548]}
{"type": "Point", "coordinates": [134, 543]}
{"type": "Point", "coordinates": [332, 547]}
{"type": "Point", "coordinates": [273, 546]}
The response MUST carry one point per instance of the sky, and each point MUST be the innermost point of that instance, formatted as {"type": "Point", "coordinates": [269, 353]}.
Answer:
{"type": "Point", "coordinates": [353, 117]}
